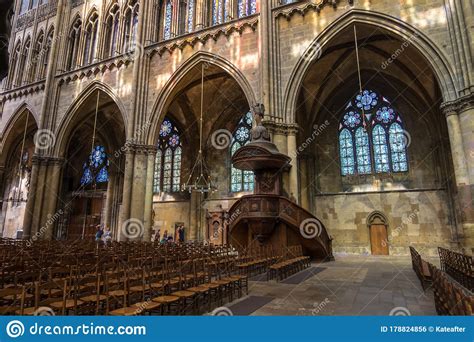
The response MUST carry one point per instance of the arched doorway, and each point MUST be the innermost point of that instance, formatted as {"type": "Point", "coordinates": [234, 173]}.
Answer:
{"type": "Point", "coordinates": [378, 232]}
{"type": "Point", "coordinates": [93, 145]}
{"type": "Point", "coordinates": [16, 159]}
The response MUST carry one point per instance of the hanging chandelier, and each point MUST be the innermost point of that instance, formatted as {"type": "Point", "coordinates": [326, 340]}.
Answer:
{"type": "Point", "coordinates": [199, 179]}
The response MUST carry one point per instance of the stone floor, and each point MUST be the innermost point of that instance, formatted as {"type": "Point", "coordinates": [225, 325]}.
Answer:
{"type": "Point", "coordinates": [351, 285]}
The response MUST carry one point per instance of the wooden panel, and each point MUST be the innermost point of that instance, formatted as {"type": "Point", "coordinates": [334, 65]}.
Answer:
{"type": "Point", "coordinates": [379, 239]}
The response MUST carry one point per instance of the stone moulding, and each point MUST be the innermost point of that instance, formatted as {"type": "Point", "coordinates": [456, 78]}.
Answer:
{"type": "Point", "coordinates": [303, 8]}
{"type": "Point", "coordinates": [26, 90]}
{"type": "Point", "coordinates": [202, 37]}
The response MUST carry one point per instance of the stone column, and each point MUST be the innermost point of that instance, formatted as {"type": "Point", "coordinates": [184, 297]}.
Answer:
{"type": "Point", "coordinates": [304, 182]}
{"type": "Point", "coordinates": [51, 216]}
{"type": "Point", "coordinates": [139, 183]}
{"type": "Point", "coordinates": [292, 152]}
{"type": "Point", "coordinates": [39, 197]}
{"type": "Point", "coordinates": [466, 121]}
{"type": "Point", "coordinates": [151, 155]}
{"type": "Point", "coordinates": [200, 15]}
{"type": "Point", "coordinates": [456, 142]}
{"type": "Point", "coordinates": [30, 202]}
{"type": "Point", "coordinates": [460, 141]}
{"type": "Point", "coordinates": [109, 199]}
{"type": "Point", "coordinates": [127, 189]}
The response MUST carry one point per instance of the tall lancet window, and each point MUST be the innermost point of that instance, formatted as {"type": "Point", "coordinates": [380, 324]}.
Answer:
{"type": "Point", "coordinates": [247, 7]}
{"type": "Point", "coordinates": [241, 180]}
{"type": "Point", "coordinates": [90, 41]}
{"type": "Point", "coordinates": [167, 176]}
{"type": "Point", "coordinates": [96, 167]}
{"type": "Point", "coordinates": [111, 32]}
{"type": "Point", "coordinates": [167, 19]}
{"type": "Point", "coordinates": [372, 139]}
{"type": "Point", "coordinates": [130, 26]}
{"type": "Point", "coordinates": [73, 45]}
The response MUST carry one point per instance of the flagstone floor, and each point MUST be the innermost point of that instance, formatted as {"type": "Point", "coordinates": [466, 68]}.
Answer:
{"type": "Point", "coordinates": [351, 285]}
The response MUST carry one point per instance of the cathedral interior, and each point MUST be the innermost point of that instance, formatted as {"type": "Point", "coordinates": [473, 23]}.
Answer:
{"type": "Point", "coordinates": [319, 140]}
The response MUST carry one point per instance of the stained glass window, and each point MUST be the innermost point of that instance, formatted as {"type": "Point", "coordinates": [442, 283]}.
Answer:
{"type": "Point", "coordinates": [220, 11]}
{"type": "Point", "coordinates": [398, 143]}
{"type": "Point", "coordinates": [167, 175]}
{"type": "Point", "coordinates": [362, 151]}
{"type": "Point", "coordinates": [247, 7]}
{"type": "Point", "coordinates": [167, 20]}
{"type": "Point", "coordinates": [371, 136]}
{"type": "Point", "coordinates": [346, 150]}
{"type": "Point", "coordinates": [190, 21]}
{"type": "Point", "coordinates": [380, 149]}
{"type": "Point", "coordinates": [241, 180]}
{"type": "Point", "coordinates": [95, 169]}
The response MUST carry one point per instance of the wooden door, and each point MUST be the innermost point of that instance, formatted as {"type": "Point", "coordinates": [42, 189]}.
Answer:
{"type": "Point", "coordinates": [379, 239]}
{"type": "Point", "coordinates": [85, 217]}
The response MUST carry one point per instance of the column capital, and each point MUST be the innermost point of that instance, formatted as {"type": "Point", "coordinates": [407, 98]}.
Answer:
{"type": "Point", "coordinates": [140, 148]}
{"type": "Point", "coordinates": [47, 160]}
{"type": "Point", "coordinates": [281, 128]}
{"type": "Point", "coordinates": [459, 105]}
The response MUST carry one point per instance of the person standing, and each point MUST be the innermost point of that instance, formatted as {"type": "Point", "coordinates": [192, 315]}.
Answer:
{"type": "Point", "coordinates": [181, 234]}
{"type": "Point", "coordinates": [99, 233]}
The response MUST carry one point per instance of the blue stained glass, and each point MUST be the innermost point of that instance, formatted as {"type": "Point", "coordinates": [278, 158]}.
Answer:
{"type": "Point", "coordinates": [174, 140]}
{"type": "Point", "coordinates": [166, 128]}
{"type": "Point", "coordinates": [385, 115]}
{"type": "Point", "coordinates": [217, 7]}
{"type": "Point", "coordinates": [242, 8]}
{"type": "Point", "coordinates": [398, 144]}
{"type": "Point", "coordinates": [102, 176]}
{"type": "Point", "coordinates": [86, 176]}
{"type": "Point", "coordinates": [363, 151]}
{"type": "Point", "coordinates": [367, 100]}
{"type": "Point", "coordinates": [241, 180]}
{"type": "Point", "coordinates": [167, 20]}
{"type": "Point", "coordinates": [253, 6]}
{"type": "Point", "coordinates": [242, 134]}
{"type": "Point", "coordinates": [352, 119]}
{"type": "Point", "coordinates": [97, 156]}
{"type": "Point", "coordinates": [346, 151]}
{"type": "Point", "coordinates": [190, 15]}
{"type": "Point", "coordinates": [167, 175]}
{"type": "Point", "coordinates": [380, 150]}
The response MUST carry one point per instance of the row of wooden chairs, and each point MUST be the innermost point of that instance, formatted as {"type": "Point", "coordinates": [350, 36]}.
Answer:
{"type": "Point", "coordinates": [450, 298]}
{"type": "Point", "coordinates": [293, 262]}
{"type": "Point", "coordinates": [120, 279]}
{"type": "Point", "coordinates": [459, 266]}
{"type": "Point", "coordinates": [421, 268]}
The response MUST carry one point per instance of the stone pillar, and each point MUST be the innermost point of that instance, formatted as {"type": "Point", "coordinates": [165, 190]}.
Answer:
{"type": "Point", "coordinates": [39, 197]}
{"type": "Point", "coordinates": [304, 182]}
{"type": "Point", "coordinates": [109, 199]}
{"type": "Point", "coordinates": [139, 184]}
{"type": "Point", "coordinates": [30, 202]}
{"type": "Point", "coordinates": [151, 155]}
{"type": "Point", "coordinates": [461, 141]}
{"type": "Point", "coordinates": [50, 216]}
{"type": "Point", "coordinates": [127, 189]}
{"type": "Point", "coordinates": [292, 152]}
{"type": "Point", "coordinates": [200, 15]}
{"type": "Point", "coordinates": [457, 150]}
{"type": "Point", "coordinates": [466, 121]}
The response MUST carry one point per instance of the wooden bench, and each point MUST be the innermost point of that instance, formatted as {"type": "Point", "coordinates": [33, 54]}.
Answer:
{"type": "Point", "coordinates": [459, 266]}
